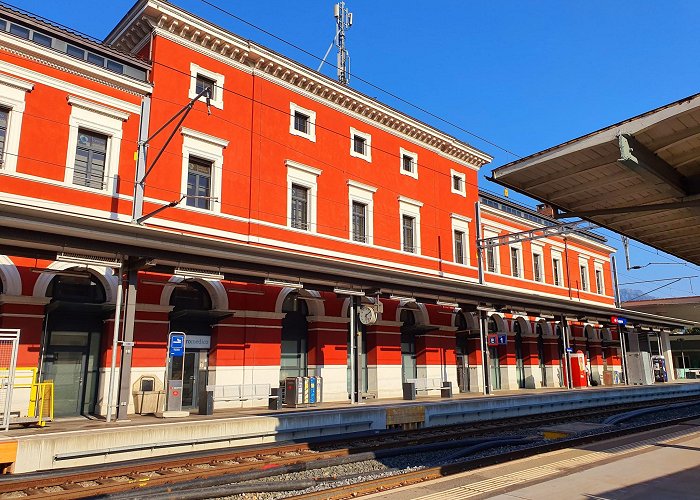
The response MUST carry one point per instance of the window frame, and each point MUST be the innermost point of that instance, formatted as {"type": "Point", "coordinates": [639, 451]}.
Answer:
{"type": "Point", "coordinates": [305, 176]}
{"type": "Point", "coordinates": [584, 284]}
{"type": "Point", "coordinates": [410, 208]}
{"type": "Point", "coordinates": [90, 161]}
{"type": "Point", "coordinates": [13, 93]}
{"type": "Point", "coordinates": [463, 177]}
{"type": "Point", "coordinates": [217, 99]}
{"type": "Point", "coordinates": [367, 156]}
{"type": "Point", "coordinates": [99, 119]}
{"type": "Point", "coordinates": [303, 224]}
{"type": "Point", "coordinates": [293, 110]}
{"type": "Point", "coordinates": [537, 263]}
{"type": "Point", "coordinates": [208, 148]}
{"type": "Point", "coordinates": [494, 252]}
{"type": "Point", "coordinates": [361, 193]}
{"type": "Point", "coordinates": [460, 223]}
{"type": "Point", "coordinates": [600, 284]}
{"type": "Point", "coordinates": [519, 256]}
{"type": "Point", "coordinates": [193, 159]}
{"type": "Point", "coordinates": [414, 158]}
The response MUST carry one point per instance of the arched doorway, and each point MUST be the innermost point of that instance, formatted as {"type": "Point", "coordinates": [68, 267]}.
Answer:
{"type": "Point", "coordinates": [73, 326]}
{"type": "Point", "coordinates": [192, 315]}
{"type": "Point", "coordinates": [495, 368]}
{"type": "Point", "coordinates": [539, 331]}
{"type": "Point", "coordinates": [519, 362]}
{"type": "Point", "coordinates": [295, 337]}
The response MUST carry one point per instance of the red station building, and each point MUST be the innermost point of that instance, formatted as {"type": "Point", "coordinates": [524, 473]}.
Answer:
{"type": "Point", "coordinates": [257, 221]}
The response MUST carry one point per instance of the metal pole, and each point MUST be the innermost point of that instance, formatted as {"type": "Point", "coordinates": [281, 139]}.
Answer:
{"type": "Point", "coordinates": [620, 333]}
{"type": "Point", "coordinates": [127, 346]}
{"type": "Point", "coordinates": [616, 283]}
{"type": "Point", "coordinates": [115, 343]}
{"type": "Point", "coordinates": [567, 354]}
{"type": "Point", "coordinates": [139, 186]}
{"type": "Point", "coordinates": [479, 254]}
{"type": "Point", "coordinates": [353, 368]}
{"type": "Point", "coordinates": [485, 358]}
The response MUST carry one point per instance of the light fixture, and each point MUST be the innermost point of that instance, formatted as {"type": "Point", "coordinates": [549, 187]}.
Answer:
{"type": "Point", "coordinates": [164, 283]}
{"type": "Point", "coordinates": [402, 299]}
{"type": "Point", "coordinates": [310, 299]}
{"type": "Point", "coordinates": [246, 292]}
{"type": "Point", "coordinates": [288, 284]}
{"type": "Point", "coordinates": [187, 272]}
{"type": "Point", "coordinates": [88, 260]}
{"type": "Point", "coordinates": [454, 305]}
{"type": "Point", "coordinates": [72, 273]}
{"type": "Point", "coordinates": [349, 291]}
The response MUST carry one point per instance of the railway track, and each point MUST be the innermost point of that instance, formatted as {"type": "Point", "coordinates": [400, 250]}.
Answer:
{"type": "Point", "coordinates": [239, 464]}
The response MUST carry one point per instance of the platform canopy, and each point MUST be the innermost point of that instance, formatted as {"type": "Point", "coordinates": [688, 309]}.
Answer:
{"type": "Point", "coordinates": [639, 178]}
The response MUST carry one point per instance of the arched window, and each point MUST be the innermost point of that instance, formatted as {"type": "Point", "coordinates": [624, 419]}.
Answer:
{"type": "Point", "coordinates": [78, 289]}
{"type": "Point", "coordinates": [190, 295]}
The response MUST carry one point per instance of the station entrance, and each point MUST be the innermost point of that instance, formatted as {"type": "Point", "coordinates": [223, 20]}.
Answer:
{"type": "Point", "coordinates": [74, 323]}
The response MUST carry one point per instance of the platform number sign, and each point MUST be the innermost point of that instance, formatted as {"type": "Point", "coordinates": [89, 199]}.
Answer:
{"type": "Point", "coordinates": [492, 340]}
{"type": "Point", "coordinates": [502, 339]}
{"type": "Point", "coordinates": [617, 320]}
{"type": "Point", "coordinates": [176, 346]}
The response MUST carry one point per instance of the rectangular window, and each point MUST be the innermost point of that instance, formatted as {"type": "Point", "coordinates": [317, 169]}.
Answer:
{"type": "Point", "coordinates": [204, 83]}
{"type": "Point", "coordinates": [301, 122]}
{"type": "Point", "coordinates": [459, 247]}
{"type": "Point", "coordinates": [491, 259]}
{"type": "Point", "coordinates": [4, 119]}
{"type": "Point", "coordinates": [359, 145]}
{"type": "Point", "coordinates": [407, 163]}
{"type": "Point", "coordinates": [41, 39]}
{"type": "Point", "coordinates": [537, 266]}
{"type": "Point", "coordinates": [300, 207]}
{"type": "Point", "coordinates": [584, 277]}
{"type": "Point", "coordinates": [90, 157]}
{"type": "Point", "coordinates": [409, 231]}
{"type": "Point", "coordinates": [359, 222]}
{"type": "Point", "coordinates": [556, 271]}
{"type": "Point", "coordinates": [199, 183]}
{"type": "Point", "coordinates": [599, 281]}
{"type": "Point", "coordinates": [457, 183]}
{"type": "Point", "coordinates": [74, 51]}
{"type": "Point", "coordinates": [515, 262]}
{"type": "Point", "coordinates": [19, 31]}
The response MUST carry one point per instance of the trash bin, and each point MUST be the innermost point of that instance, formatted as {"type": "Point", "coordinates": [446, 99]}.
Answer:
{"type": "Point", "coordinates": [276, 398]}
{"type": "Point", "coordinates": [294, 391]}
{"type": "Point", "coordinates": [146, 402]}
{"type": "Point", "coordinates": [409, 391]}
{"type": "Point", "coordinates": [206, 402]}
{"type": "Point", "coordinates": [446, 390]}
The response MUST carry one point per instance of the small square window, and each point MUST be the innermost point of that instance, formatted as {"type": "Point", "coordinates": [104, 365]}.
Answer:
{"type": "Point", "coordinates": [301, 122]}
{"type": "Point", "coordinates": [359, 145]}
{"type": "Point", "coordinates": [204, 83]}
{"type": "Point", "coordinates": [41, 39]}
{"type": "Point", "coordinates": [95, 59]}
{"type": "Point", "coordinates": [407, 163]}
{"type": "Point", "coordinates": [458, 183]}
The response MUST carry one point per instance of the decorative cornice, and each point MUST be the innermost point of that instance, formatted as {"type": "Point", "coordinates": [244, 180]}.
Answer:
{"type": "Point", "coordinates": [97, 108]}
{"type": "Point", "coordinates": [201, 136]}
{"type": "Point", "coordinates": [16, 83]}
{"type": "Point", "coordinates": [171, 22]}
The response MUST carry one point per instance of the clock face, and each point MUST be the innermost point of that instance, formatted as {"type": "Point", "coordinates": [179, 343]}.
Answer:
{"type": "Point", "coordinates": [368, 315]}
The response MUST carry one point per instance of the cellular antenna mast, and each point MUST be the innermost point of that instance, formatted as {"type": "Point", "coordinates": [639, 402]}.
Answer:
{"type": "Point", "coordinates": [343, 19]}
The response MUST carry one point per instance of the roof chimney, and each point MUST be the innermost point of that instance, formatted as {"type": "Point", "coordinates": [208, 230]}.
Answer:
{"type": "Point", "coordinates": [546, 209]}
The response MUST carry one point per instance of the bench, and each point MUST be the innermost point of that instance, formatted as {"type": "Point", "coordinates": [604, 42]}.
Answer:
{"type": "Point", "coordinates": [412, 386]}
{"type": "Point", "coordinates": [241, 392]}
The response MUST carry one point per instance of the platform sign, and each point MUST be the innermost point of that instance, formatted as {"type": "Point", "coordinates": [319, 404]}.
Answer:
{"type": "Point", "coordinates": [492, 339]}
{"type": "Point", "coordinates": [176, 345]}
{"type": "Point", "coordinates": [502, 339]}
{"type": "Point", "coordinates": [617, 320]}
{"type": "Point", "coordinates": [569, 350]}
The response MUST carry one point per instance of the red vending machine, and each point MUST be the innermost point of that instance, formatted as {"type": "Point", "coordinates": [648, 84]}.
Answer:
{"type": "Point", "coordinates": [579, 375]}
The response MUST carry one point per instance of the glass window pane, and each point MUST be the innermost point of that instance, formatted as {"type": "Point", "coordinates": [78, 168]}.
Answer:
{"type": "Point", "coordinates": [205, 83]}
{"type": "Point", "coordinates": [20, 31]}
{"type": "Point", "coordinates": [359, 144]}
{"type": "Point", "coordinates": [301, 122]}
{"type": "Point", "coordinates": [95, 59]}
{"type": "Point", "coordinates": [41, 39]}
{"type": "Point", "coordinates": [90, 159]}
{"type": "Point", "coordinates": [74, 51]}
{"type": "Point", "coordinates": [115, 66]}
{"type": "Point", "coordinates": [407, 163]}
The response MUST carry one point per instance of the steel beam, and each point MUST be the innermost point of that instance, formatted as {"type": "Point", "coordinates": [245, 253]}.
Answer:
{"type": "Point", "coordinates": [570, 172]}
{"type": "Point", "coordinates": [635, 156]}
{"type": "Point", "coordinates": [656, 207]}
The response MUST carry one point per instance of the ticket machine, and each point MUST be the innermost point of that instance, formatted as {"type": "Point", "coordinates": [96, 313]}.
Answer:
{"type": "Point", "coordinates": [579, 374]}
{"type": "Point", "coordinates": [659, 365]}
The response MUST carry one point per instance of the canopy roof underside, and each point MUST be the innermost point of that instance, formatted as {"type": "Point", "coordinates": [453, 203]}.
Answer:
{"type": "Point", "coordinates": [640, 178]}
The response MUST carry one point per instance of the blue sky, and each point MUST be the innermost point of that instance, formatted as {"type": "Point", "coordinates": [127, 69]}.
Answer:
{"type": "Point", "coordinates": [526, 75]}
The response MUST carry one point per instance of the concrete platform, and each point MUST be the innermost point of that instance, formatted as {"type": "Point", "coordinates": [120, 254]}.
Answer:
{"type": "Point", "coordinates": [75, 442]}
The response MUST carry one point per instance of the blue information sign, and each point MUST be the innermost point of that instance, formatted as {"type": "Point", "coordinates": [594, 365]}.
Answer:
{"type": "Point", "coordinates": [569, 349]}
{"type": "Point", "coordinates": [176, 348]}
{"type": "Point", "coordinates": [503, 339]}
